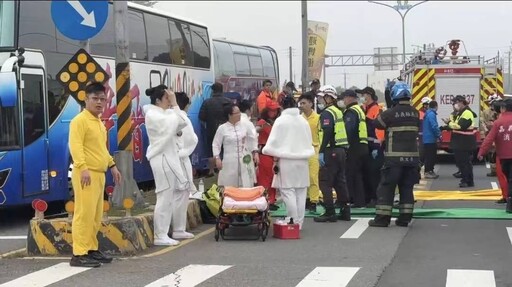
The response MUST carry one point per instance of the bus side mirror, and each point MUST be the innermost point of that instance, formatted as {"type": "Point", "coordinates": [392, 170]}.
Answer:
{"type": "Point", "coordinates": [8, 94]}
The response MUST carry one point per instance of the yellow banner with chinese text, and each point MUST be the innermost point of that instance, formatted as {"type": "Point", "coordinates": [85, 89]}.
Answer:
{"type": "Point", "coordinates": [317, 39]}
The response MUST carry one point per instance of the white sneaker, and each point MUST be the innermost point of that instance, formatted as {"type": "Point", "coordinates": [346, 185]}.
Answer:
{"type": "Point", "coordinates": [182, 235]}
{"type": "Point", "coordinates": [165, 242]}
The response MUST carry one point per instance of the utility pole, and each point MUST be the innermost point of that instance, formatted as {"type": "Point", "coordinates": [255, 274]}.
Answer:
{"type": "Point", "coordinates": [367, 79]}
{"type": "Point", "coordinates": [127, 189]}
{"type": "Point", "coordinates": [344, 80]}
{"type": "Point", "coordinates": [291, 60]}
{"type": "Point", "coordinates": [304, 45]}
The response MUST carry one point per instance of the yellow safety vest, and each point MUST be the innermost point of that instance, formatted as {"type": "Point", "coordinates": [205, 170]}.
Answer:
{"type": "Point", "coordinates": [363, 132]}
{"type": "Point", "coordinates": [468, 115]}
{"type": "Point", "coordinates": [340, 134]}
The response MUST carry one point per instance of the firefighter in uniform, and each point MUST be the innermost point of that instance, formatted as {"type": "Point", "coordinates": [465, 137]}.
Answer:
{"type": "Point", "coordinates": [401, 163]}
{"type": "Point", "coordinates": [332, 157]}
{"type": "Point", "coordinates": [463, 141]}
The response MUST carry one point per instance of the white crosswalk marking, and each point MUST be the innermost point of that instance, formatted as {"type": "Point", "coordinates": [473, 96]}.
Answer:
{"type": "Point", "coordinates": [470, 278]}
{"type": "Point", "coordinates": [509, 232]}
{"type": "Point", "coordinates": [190, 276]}
{"type": "Point", "coordinates": [46, 276]}
{"type": "Point", "coordinates": [357, 228]}
{"type": "Point", "coordinates": [329, 277]}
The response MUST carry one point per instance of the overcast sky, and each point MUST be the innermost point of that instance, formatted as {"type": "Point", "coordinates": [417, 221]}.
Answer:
{"type": "Point", "coordinates": [355, 27]}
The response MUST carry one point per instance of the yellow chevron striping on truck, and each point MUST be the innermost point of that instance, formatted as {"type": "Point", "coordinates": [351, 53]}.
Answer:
{"type": "Point", "coordinates": [423, 86]}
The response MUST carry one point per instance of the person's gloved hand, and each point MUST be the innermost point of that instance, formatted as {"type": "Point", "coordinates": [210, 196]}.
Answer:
{"type": "Point", "coordinates": [375, 153]}
{"type": "Point", "coordinates": [321, 159]}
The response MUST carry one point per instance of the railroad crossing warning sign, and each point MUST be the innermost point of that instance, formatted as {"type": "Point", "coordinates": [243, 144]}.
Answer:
{"type": "Point", "coordinates": [81, 70]}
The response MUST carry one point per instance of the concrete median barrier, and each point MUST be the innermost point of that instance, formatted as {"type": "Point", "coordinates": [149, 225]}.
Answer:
{"type": "Point", "coordinates": [117, 236]}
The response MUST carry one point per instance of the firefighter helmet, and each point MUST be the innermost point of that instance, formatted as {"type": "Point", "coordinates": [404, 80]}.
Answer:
{"type": "Point", "coordinates": [426, 100]}
{"type": "Point", "coordinates": [400, 91]}
{"type": "Point", "coordinates": [327, 90]}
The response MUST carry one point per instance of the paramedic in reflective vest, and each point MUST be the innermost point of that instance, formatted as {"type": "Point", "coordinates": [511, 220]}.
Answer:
{"type": "Point", "coordinates": [401, 158]}
{"type": "Point", "coordinates": [357, 154]}
{"type": "Point", "coordinates": [463, 142]}
{"type": "Point", "coordinates": [332, 157]}
{"type": "Point", "coordinates": [374, 163]}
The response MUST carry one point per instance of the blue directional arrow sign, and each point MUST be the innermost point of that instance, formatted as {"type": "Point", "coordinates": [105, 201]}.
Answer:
{"type": "Point", "coordinates": [79, 20]}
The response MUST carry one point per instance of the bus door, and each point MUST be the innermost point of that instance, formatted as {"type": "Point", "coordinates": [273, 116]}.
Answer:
{"type": "Point", "coordinates": [35, 151]}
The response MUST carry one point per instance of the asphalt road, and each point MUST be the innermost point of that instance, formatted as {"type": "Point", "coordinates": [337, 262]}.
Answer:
{"type": "Point", "coordinates": [429, 253]}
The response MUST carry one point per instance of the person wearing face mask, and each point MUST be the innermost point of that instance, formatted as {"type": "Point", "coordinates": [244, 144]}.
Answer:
{"type": "Point", "coordinates": [163, 123]}
{"type": "Point", "coordinates": [463, 141]}
{"type": "Point", "coordinates": [332, 158]}
{"type": "Point", "coordinates": [375, 139]}
{"type": "Point", "coordinates": [232, 137]}
{"type": "Point", "coordinates": [357, 155]}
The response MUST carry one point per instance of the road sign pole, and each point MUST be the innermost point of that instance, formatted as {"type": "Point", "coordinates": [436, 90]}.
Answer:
{"type": "Point", "coordinates": [124, 156]}
{"type": "Point", "coordinates": [304, 9]}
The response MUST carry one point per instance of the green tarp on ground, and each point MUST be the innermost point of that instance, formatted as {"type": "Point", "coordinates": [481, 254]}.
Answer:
{"type": "Point", "coordinates": [425, 213]}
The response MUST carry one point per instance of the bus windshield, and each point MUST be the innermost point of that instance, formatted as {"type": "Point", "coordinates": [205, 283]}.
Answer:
{"type": "Point", "coordinates": [7, 23]}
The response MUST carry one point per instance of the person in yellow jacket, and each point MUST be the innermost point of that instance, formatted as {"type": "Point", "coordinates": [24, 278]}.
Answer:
{"type": "Point", "coordinates": [91, 159]}
{"type": "Point", "coordinates": [306, 105]}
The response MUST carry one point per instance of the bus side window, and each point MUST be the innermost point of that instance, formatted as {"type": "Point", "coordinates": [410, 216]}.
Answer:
{"type": "Point", "coordinates": [137, 36]}
{"type": "Point", "coordinates": [158, 38]}
{"type": "Point", "coordinates": [200, 47]}
{"type": "Point", "coordinates": [9, 135]}
{"type": "Point", "coordinates": [181, 49]}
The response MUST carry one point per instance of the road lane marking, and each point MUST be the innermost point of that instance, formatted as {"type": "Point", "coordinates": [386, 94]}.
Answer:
{"type": "Point", "coordinates": [13, 237]}
{"type": "Point", "coordinates": [494, 185]}
{"type": "Point", "coordinates": [46, 276]}
{"type": "Point", "coordinates": [509, 231]}
{"type": "Point", "coordinates": [470, 278]}
{"type": "Point", "coordinates": [357, 228]}
{"type": "Point", "coordinates": [329, 277]}
{"type": "Point", "coordinates": [190, 276]}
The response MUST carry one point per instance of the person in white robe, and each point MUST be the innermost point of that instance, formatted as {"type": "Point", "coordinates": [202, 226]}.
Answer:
{"type": "Point", "coordinates": [290, 144]}
{"type": "Point", "coordinates": [163, 121]}
{"type": "Point", "coordinates": [232, 137]}
{"type": "Point", "coordinates": [186, 142]}
{"type": "Point", "coordinates": [252, 137]}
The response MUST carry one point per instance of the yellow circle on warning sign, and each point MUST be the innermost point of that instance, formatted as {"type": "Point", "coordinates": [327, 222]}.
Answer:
{"type": "Point", "coordinates": [82, 58]}
{"type": "Point", "coordinates": [73, 68]}
{"type": "Point", "coordinates": [90, 68]}
{"type": "Point", "coordinates": [70, 206]}
{"type": "Point", "coordinates": [64, 77]}
{"type": "Point", "coordinates": [82, 77]}
{"type": "Point", "coordinates": [106, 206]}
{"type": "Point", "coordinates": [81, 96]}
{"type": "Point", "coordinates": [99, 77]}
{"type": "Point", "coordinates": [128, 203]}
{"type": "Point", "coordinates": [73, 86]}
